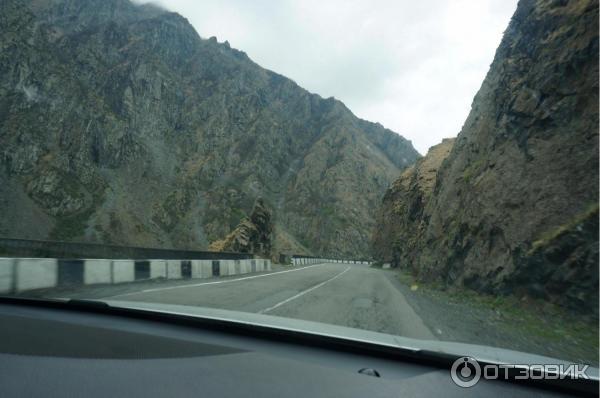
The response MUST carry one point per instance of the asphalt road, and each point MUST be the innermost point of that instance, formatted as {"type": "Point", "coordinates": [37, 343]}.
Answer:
{"type": "Point", "coordinates": [342, 294]}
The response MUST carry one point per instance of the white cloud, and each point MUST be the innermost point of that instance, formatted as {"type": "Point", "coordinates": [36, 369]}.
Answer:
{"type": "Point", "coordinates": [413, 66]}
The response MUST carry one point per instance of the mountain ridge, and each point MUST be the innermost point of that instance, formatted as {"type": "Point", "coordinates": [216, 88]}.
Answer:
{"type": "Point", "coordinates": [121, 125]}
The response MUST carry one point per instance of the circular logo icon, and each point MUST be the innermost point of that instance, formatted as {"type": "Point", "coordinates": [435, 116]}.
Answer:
{"type": "Point", "coordinates": [465, 372]}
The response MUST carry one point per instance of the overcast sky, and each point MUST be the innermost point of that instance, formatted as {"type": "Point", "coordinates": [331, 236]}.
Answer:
{"type": "Point", "coordinates": [411, 65]}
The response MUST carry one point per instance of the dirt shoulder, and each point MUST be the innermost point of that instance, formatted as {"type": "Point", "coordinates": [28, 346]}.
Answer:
{"type": "Point", "coordinates": [469, 317]}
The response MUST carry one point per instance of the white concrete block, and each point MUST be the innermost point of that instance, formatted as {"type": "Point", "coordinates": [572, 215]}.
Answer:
{"type": "Point", "coordinates": [173, 269]}
{"type": "Point", "coordinates": [36, 273]}
{"type": "Point", "coordinates": [7, 267]}
{"type": "Point", "coordinates": [196, 269]}
{"type": "Point", "coordinates": [223, 268]}
{"type": "Point", "coordinates": [237, 265]}
{"type": "Point", "coordinates": [245, 266]}
{"type": "Point", "coordinates": [96, 271]}
{"type": "Point", "coordinates": [231, 267]}
{"type": "Point", "coordinates": [158, 269]}
{"type": "Point", "coordinates": [205, 268]}
{"type": "Point", "coordinates": [123, 271]}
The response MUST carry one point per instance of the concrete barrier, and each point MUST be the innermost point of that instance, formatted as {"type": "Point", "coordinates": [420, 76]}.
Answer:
{"type": "Point", "coordinates": [173, 269]}
{"type": "Point", "coordinates": [123, 271]}
{"type": "Point", "coordinates": [205, 268]}
{"type": "Point", "coordinates": [7, 270]}
{"type": "Point", "coordinates": [223, 268]}
{"type": "Point", "coordinates": [303, 260]}
{"type": "Point", "coordinates": [230, 267]}
{"type": "Point", "coordinates": [158, 269]}
{"type": "Point", "coordinates": [97, 271]}
{"type": "Point", "coordinates": [245, 266]}
{"type": "Point", "coordinates": [196, 269]}
{"type": "Point", "coordinates": [36, 273]}
{"type": "Point", "coordinates": [22, 274]}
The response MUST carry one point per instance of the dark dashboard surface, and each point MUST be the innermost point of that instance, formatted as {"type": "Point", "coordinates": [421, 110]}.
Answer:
{"type": "Point", "coordinates": [59, 352]}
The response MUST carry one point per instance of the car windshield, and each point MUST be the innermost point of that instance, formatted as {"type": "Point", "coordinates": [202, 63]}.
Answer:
{"type": "Point", "coordinates": [424, 170]}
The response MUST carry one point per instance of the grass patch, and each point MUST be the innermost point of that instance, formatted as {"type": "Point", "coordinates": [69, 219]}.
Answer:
{"type": "Point", "coordinates": [545, 323]}
{"type": "Point", "coordinates": [548, 236]}
{"type": "Point", "coordinates": [472, 169]}
{"type": "Point", "coordinates": [535, 317]}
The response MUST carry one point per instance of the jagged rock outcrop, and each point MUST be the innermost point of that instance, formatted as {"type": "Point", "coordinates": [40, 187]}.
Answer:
{"type": "Point", "coordinates": [400, 222]}
{"type": "Point", "coordinates": [119, 124]}
{"type": "Point", "coordinates": [514, 207]}
{"type": "Point", "coordinates": [253, 234]}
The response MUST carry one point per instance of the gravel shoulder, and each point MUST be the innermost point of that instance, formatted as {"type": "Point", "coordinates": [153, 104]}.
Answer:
{"type": "Point", "coordinates": [468, 317]}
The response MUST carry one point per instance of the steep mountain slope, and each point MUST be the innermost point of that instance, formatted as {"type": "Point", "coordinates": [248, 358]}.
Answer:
{"type": "Point", "coordinates": [400, 222]}
{"type": "Point", "coordinates": [119, 124]}
{"type": "Point", "coordinates": [515, 203]}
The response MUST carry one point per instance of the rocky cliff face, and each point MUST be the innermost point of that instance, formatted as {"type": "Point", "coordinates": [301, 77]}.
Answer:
{"type": "Point", "coordinates": [253, 234]}
{"type": "Point", "coordinates": [514, 208]}
{"type": "Point", "coordinates": [400, 220]}
{"type": "Point", "coordinates": [119, 124]}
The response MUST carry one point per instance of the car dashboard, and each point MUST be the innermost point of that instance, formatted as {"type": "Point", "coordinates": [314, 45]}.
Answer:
{"type": "Point", "coordinates": [92, 350]}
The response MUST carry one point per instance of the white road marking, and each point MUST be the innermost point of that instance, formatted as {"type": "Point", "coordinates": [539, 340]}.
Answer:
{"type": "Point", "coordinates": [212, 283]}
{"type": "Point", "coordinates": [302, 293]}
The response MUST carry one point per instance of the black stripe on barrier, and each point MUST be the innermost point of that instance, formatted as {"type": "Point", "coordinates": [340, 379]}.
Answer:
{"type": "Point", "coordinates": [186, 269]}
{"type": "Point", "coordinates": [70, 272]}
{"type": "Point", "coordinates": [216, 269]}
{"type": "Point", "coordinates": [141, 269]}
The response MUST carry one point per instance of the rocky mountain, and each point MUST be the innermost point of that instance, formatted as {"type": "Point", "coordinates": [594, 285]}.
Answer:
{"type": "Point", "coordinates": [119, 124]}
{"type": "Point", "coordinates": [252, 235]}
{"type": "Point", "coordinates": [400, 217]}
{"type": "Point", "coordinates": [513, 207]}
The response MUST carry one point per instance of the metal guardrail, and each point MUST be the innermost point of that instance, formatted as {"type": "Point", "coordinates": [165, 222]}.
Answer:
{"type": "Point", "coordinates": [54, 249]}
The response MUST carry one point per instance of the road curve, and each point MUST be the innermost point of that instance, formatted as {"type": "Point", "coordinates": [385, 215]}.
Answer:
{"type": "Point", "coordinates": [342, 294]}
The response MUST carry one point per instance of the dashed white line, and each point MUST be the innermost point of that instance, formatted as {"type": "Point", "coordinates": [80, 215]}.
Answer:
{"type": "Point", "coordinates": [212, 283]}
{"type": "Point", "coordinates": [302, 293]}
